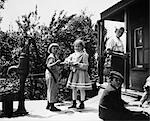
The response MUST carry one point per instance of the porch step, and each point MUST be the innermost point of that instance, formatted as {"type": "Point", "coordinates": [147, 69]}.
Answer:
{"type": "Point", "coordinates": [128, 92]}
{"type": "Point", "coordinates": [132, 93]}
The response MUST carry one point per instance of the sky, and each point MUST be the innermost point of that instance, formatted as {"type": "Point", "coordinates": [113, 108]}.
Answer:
{"type": "Point", "coordinates": [16, 8]}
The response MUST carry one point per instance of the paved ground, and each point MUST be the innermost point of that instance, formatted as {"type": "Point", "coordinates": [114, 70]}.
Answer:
{"type": "Point", "coordinates": [37, 111]}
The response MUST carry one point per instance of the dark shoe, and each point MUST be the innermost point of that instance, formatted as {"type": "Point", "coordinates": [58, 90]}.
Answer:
{"type": "Point", "coordinates": [54, 109]}
{"type": "Point", "coordinates": [81, 106]}
{"type": "Point", "coordinates": [73, 105]}
{"type": "Point", "coordinates": [48, 105]}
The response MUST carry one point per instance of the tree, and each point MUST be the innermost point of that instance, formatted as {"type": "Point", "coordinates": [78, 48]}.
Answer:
{"type": "Point", "coordinates": [62, 29]}
{"type": "Point", "coordinates": [2, 7]}
{"type": "Point", "coordinates": [28, 29]}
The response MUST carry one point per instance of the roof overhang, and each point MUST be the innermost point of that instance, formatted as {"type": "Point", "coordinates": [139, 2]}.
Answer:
{"type": "Point", "coordinates": [116, 12]}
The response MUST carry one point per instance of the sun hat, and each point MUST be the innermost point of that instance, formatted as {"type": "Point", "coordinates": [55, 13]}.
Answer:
{"type": "Point", "coordinates": [52, 45]}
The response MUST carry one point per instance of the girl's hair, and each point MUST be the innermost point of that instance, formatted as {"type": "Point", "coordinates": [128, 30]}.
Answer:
{"type": "Point", "coordinates": [79, 41]}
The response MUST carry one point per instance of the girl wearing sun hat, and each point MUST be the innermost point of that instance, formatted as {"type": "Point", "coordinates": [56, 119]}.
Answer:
{"type": "Point", "coordinates": [51, 75]}
{"type": "Point", "coordinates": [51, 45]}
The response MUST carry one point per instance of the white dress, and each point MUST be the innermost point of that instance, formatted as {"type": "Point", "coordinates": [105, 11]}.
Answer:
{"type": "Point", "coordinates": [78, 77]}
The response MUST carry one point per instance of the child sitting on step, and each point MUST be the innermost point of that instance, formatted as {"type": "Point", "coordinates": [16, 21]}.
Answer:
{"type": "Point", "coordinates": [146, 95]}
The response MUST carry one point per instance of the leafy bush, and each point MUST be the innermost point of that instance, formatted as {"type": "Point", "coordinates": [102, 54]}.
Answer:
{"type": "Point", "coordinates": [34, 40]}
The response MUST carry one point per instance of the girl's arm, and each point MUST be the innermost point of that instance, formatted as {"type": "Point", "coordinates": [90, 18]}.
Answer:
{"type": "Point", "coordinates": [51, 62]}
{"type": "Point", "coordinates": [144, 98]}
{"type": "Point", "coordinates": [67, 60]}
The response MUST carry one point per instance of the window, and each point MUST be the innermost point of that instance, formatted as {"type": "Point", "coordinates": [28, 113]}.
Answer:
{"type": "Point", "coordinates": [138, 47]}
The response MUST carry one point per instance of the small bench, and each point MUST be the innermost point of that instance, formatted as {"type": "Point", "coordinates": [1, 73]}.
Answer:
{"type": "Point", "coordinates": [7, 103]}
{"type": "Point", "coordinates": [7, 97]}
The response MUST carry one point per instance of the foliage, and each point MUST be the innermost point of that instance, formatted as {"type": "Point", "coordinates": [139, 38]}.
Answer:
{"type": "Point", "coordinates": [6, 85]}
{"type": "Point", "coordinates": [35, 88]}
{"type": "Point", "coordinates": [5, 53]}
{"type": "Point", "coordinates": [34, 39]}
{"type": "Point", "coordinates": [81, 27]}
{"type": "Point", "coordinates": [2, 2]}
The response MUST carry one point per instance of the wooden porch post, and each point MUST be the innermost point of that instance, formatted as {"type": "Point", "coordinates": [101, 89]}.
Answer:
{"type": "Point", "coordinates": [126, 64]}
{"type": "Point", "coordinates": [100, 50]}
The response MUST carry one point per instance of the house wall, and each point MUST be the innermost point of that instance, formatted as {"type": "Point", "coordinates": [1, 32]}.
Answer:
{"type": "Point", "coordinates": [139, 17]}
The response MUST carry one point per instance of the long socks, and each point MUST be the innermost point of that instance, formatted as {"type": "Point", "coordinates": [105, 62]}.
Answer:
{"type": "Point", "coordinates": [74, 97]}
{"type": "Point", "coordinates": [82, 93]}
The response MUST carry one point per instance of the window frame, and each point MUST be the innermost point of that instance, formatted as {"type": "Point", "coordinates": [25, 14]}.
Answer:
{"type": "Point", "coordinates": [138, 45]}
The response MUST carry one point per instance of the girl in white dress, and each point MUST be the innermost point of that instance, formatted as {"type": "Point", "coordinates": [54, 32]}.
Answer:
{"type": "Point", "coordinates": [78, 78]}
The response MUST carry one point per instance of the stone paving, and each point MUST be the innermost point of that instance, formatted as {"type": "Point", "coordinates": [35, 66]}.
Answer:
{"type": "Point", "coordinates": [37, 111]}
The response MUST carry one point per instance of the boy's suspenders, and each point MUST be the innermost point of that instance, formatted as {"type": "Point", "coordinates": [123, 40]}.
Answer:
{"type": "Point", "coordinates": [52, 74]}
